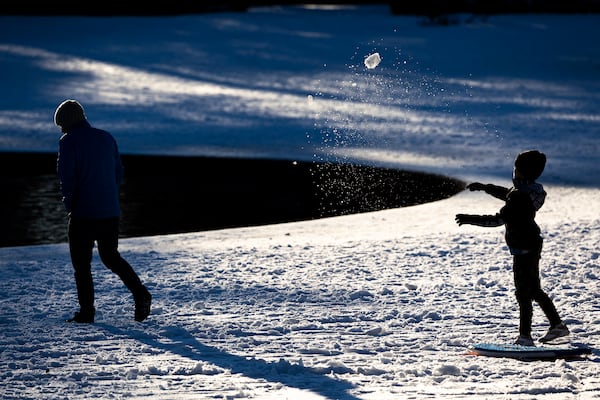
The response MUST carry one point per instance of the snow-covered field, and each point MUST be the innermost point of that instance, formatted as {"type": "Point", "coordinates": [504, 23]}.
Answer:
{"type": "Point", "coordinates": [374, 306]}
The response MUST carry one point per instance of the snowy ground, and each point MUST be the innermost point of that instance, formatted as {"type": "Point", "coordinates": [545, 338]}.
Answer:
{"type": "Point", "coordinates": [373, 306]}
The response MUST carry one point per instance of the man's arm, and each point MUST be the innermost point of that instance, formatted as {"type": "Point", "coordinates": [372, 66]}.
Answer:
{"type": "Point", "coordinates": [65, 168]}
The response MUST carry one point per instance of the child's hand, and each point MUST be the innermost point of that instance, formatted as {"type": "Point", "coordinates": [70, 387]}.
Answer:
{"type": "Point", "coordinates": [462, 219]}
{"type": "Point", "coordinates": [476, 186]}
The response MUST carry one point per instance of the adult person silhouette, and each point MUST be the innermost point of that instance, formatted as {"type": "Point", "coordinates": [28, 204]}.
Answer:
{"type": "Point", "coordinates": [90, 171]}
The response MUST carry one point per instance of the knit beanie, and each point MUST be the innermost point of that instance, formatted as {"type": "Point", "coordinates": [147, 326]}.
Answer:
{"type": "Point", "coordinates": [530, 164]}
{"type": "Point", "coordinates": [68, 113]}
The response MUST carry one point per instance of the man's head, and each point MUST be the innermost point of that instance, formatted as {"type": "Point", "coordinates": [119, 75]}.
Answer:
{"type": "Point", "coordinates": [68, 114]}
{"type": "Point", "coordinates": [530, 164]}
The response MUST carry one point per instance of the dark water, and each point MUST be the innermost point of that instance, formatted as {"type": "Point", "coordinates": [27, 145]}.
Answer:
{"type": "Point", "coordinates": [162, 195]}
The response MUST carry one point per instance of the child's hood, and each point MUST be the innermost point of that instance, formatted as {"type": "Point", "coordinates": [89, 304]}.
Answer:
{"type": "Point", "coordinates": [536, 192]}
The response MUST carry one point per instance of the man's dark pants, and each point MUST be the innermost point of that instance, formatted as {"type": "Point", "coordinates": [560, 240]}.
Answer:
{"type": "Point", "coordinates": [82, 235]}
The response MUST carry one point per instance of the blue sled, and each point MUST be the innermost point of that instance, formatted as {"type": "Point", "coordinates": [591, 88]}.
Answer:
{"type": "Point", "coordinates": [529, 353]}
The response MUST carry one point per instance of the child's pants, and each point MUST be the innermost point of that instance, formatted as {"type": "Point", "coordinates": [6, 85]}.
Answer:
{"type": "Point", "coordinates": [528, 288]}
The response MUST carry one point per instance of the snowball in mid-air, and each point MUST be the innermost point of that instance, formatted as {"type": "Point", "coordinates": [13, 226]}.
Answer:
{"type": "Point", "coordinates": [372, 61]}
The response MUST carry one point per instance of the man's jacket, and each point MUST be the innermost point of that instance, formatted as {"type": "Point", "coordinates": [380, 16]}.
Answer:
{"type": "Point", "coordinates": [90, 172]}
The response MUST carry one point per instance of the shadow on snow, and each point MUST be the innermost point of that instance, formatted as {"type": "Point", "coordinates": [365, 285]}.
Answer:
{"type": "Point", "coordinates": [182, 343]}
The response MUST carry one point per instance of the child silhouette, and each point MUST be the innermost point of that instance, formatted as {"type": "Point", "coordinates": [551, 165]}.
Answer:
{"type": "Point", "coordinates": [523, 238]}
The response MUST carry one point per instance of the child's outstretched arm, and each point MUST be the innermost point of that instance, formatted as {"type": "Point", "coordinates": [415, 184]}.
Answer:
{"type": "Point", "coordinates": [488, 221]}
{"type": "Point", "coordinates": [498, 192]}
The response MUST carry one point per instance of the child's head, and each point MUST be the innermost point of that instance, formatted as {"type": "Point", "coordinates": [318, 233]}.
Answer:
{"type": "Point", "coordinates": [530, 164]}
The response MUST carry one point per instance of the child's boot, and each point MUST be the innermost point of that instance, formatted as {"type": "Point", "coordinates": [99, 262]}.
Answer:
{"type": "Point", "coordinates": [555, 332]}
{"type": "Point", "coordinates": [524, 340]}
